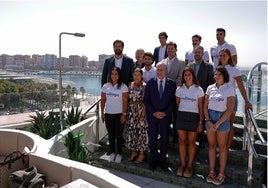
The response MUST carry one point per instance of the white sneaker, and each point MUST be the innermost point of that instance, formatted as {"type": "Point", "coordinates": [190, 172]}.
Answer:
{"type": "Point", "coordinates": [111, 158]}
{"type": "Point", "coordinates": [118, 158]}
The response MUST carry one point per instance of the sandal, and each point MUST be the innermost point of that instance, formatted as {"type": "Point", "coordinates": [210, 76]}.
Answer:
{"type": "Point", "coordinates": [211, 177]}
{"type": "Point", "coordinates": [180, 170]}
{"type": "Point", "coordinates": [219, 179]}
{"type": "Point", "coordinates": [188, 172]}
{"type": "Point", "coordinates": [133, 156]}
{"type": "Point", "coordinates": [140, 159]}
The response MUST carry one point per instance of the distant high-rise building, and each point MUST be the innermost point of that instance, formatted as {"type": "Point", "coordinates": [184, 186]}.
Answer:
{"type": "Point", "coordinates": [75, 61]}
{"type": "Point", "coordinates": [49, 61]}
{"type": "Point", "coordinates": [36, 61]}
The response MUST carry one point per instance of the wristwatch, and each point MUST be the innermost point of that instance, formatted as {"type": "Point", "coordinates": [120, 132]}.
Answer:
{"type": "Point", "coordinates": [207, 120]}
{"type": "Point", "coordinates": [124, 113]}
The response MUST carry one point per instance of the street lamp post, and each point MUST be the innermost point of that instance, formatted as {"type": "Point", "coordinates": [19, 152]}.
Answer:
{"type": "Point", "coordinates": [60, 76]}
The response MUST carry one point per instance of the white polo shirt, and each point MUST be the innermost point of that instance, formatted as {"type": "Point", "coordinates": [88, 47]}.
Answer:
{"type": "Point", "coordinates": [114, 99]}
{"type": "Point", "coordinates": [148, 75]}
{"type": "Point", "coordinates": [215, 50]}
{"type": "Point", "coordinates": [218, 96]}
{"type": "Point", "coordinates": [233, 73]}
{"type": "Point", "coordinates": [189, 98]}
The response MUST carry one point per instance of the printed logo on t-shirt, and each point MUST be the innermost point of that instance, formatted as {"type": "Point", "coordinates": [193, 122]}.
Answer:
{"type": "Point", "coordinates": [219, 99]}
{"type": "Point", "coordinates": [112, 94]}
{"type": "Point", "coordinates": [188, 99]}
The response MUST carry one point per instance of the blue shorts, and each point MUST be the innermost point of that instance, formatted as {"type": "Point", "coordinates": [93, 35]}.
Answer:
{"type": "Point", "coordinates": [215, 116]}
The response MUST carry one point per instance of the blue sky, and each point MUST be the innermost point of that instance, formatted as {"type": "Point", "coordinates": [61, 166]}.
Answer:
{"type": "Point", "coordinates": [33, 27]}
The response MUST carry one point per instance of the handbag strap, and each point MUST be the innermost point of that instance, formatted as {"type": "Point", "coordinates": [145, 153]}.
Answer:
{"type": "Point", "coordinates": [10, 158]}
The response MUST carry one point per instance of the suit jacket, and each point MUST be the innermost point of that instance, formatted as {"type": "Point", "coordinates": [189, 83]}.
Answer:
{"type": "Point", "coordinates": [205, 75]}
{"type": "Point", "coordinates": [176, 69]}
{"type": "Point", "coordinates": [152, 99]}
{"type": "Point", "coordinates": [156, 55]}
{"type": "Point", "coordinates": [127, 69]}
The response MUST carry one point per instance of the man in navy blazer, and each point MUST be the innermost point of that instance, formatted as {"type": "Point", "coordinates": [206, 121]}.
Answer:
{"type": "Point", "coordinates": [119, 60]}
{"type": "Point", "coordinates": [160, 52]}
{"type": "Point", "coordinates": [159, 109]}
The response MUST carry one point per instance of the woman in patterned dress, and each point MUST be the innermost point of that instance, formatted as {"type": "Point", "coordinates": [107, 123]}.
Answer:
{"type": "Point", "coordinates": [136, 127]}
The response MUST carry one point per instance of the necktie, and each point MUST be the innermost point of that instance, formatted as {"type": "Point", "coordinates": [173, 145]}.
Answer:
{"type": "Point", "coordinates": [161, 90]}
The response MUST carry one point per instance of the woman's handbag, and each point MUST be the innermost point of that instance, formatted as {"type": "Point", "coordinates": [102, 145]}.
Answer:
{"type": "Point", "coordinates": [10, 163]}
{"type": "Point", "coordinates": [27, 178]}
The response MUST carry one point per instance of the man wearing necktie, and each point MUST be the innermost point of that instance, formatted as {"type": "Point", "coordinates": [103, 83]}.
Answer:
{"type": "Point", "coordinates": [159, 99]}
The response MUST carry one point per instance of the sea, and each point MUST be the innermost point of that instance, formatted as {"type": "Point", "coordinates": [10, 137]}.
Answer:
{"type": "Point", "coordinates": [92, 86]}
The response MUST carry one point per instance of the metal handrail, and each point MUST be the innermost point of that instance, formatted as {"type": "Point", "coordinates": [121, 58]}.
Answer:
{"type": "Point", "coordinates": [248, 137]}
{"type": "Point", "coordinates": [97, 120]}
{"type": "Point", "coordinates": [250, 82]}
{"type": "Point", "coordinates": [91, 107]}
{"type": "Point", "coordinates": [250, 124]}
{"type": "Point", "coordinates": [252, 118]}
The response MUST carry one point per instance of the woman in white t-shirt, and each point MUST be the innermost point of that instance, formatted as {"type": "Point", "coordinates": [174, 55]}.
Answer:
{"type": "Point", "coordinates": [218, 106]}
{"type": "Point", "coordinates": [235, 79]}
{"type": "Point", "coordinates": [189, 99]}
{"type": "Point", "coordinates": [114, 102]}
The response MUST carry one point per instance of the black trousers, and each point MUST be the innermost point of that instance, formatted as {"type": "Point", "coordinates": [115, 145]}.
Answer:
{"type": "Point", "coordinates": [115, 131]}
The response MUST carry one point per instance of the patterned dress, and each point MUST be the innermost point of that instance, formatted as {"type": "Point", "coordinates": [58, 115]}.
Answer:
{"type": "Point", "coordinates": [136, 130]}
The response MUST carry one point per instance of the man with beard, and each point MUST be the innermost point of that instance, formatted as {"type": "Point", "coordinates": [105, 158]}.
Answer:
{"type": "Point", "coordinates": [119, 60]}
{"type": "Point", "coordinates": [160, 52]}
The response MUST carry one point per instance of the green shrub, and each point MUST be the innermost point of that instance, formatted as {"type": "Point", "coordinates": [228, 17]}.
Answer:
{"type": "Point", "coordinates": [76, 150]}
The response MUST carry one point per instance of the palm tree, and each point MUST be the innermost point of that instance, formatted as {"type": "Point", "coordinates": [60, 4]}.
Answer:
{"type": "Point", "coordinates": [82, 90]}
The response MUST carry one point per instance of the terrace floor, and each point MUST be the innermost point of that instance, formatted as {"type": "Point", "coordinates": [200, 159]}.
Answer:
{"type": "Point", "coordinates": [140, 181]}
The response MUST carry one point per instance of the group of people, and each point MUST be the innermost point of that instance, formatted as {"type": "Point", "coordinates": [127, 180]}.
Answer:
{"type": "Point", "coordinates": [141, 100]}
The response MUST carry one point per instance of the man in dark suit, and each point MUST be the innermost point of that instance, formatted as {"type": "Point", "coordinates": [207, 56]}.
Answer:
{"type": "Point", "coordinates": [205, 75]}
{"type": "Point", "coordinates": [159, 99]}
{"type": "Point", "coordinates": [119, 60]}
{"type": "Point", "coordinates": [160, 52]}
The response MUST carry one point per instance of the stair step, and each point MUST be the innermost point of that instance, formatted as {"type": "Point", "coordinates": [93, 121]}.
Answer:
{"type": "Point", "coordinates": [239, 130]}
{"type": "Point", "coordinates": [235, 157]}
{"type": "Point", "coordinates": [262, 123]}
{"type": "Point", "coordinates": [236, 169]}
{"type": "Point", "coordinates": [235, 177]}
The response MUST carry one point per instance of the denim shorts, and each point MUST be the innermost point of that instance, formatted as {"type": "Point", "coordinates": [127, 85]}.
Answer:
{"type": "Point", "coordinates": [215, 116]}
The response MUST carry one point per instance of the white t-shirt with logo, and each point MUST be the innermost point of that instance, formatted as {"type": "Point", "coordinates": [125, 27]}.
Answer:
{"type": "Point", "coordinates": [189, 98]}
{"type": "Point", "coordinates": [218, 96]}
{"type": "Point", "coordinates": [114, 99]}
{"type": "Point", "coordinates": [215, 50]}
{"type": "Point", "coordinates": [233, 73]}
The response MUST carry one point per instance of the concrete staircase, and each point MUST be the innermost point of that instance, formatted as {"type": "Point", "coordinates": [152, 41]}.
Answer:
{"type": "Point", "coordinates": [236, 170]}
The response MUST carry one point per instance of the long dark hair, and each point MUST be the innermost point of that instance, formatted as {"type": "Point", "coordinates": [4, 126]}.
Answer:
{"type": "Point", "coordinates": [119, 83]}
{"type": "Point", "coordinates": [230, 60]}
{"type": "Point", "coordinates": [183, 81]}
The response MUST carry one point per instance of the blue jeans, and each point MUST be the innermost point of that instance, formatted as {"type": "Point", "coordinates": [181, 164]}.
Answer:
{"type": "Point", "coordinates": [215, 116]}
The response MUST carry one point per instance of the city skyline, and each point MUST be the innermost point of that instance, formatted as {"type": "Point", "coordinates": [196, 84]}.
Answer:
{"type": "Point", "coordinates": [30, 27]}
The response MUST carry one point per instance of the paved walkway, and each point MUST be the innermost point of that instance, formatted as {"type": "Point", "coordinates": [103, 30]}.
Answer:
{"type": "Point", "coordinates": [15, 118]}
